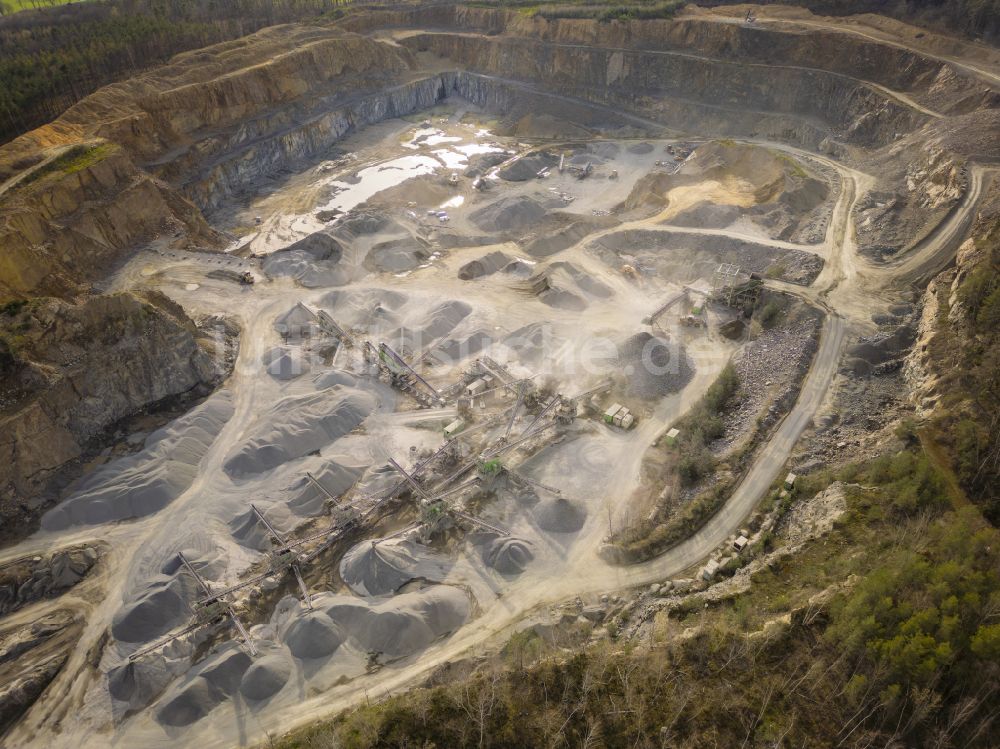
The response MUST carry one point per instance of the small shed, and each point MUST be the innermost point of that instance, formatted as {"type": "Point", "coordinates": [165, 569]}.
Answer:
{"type": "Point", "coordinates": [790, 481]}
{"type": "Point", "coordinates": [672, 436]}
{"type": "Point", "coordinates": [454, 428]}
{"type": "Point", "coordinates": [609, 415]}
{"type": "Point", "coordinates": [741, 543]}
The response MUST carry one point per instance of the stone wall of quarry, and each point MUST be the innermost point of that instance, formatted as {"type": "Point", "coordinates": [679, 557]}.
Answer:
{"type": "Point", "coordinates": [156, 116]}
{"type": "Point", "coordinates": [933, 82]}
{"type": "Point", "coordinates": [249, 159]}
{"type": "Point", "coordinates": [720, 98]}
{"type": "Point", "coordinates": [68, 228]}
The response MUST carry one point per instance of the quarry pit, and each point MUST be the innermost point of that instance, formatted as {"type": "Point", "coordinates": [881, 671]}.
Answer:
{"type": "Point", "coordinates": [433, 254]}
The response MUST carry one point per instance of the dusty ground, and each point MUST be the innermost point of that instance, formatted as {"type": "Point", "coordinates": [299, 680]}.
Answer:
{"type": "Point", "coordinates": [549, 275]}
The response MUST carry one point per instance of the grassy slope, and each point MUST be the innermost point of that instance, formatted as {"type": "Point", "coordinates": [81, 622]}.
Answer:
{"type": "Point", "coordinates": [13, 6]}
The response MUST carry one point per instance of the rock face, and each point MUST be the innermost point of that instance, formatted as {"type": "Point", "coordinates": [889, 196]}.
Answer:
{"type": "Point", "coordinates": [76, 369]}
{"type": "Point", "coordinates": [70, 218]}
{"type": "Point", "coordinates": [30, 658]}
{"type": "Point", "coordinates": [35, 578]}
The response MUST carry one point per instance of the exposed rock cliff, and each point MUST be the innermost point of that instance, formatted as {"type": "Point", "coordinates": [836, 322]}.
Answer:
{"type": "Point", "coordinates": [69, 371]}
{"type": "Point", "coordinates": [66, 221]}
{"type": "Point", "coordinates": [954, 364]}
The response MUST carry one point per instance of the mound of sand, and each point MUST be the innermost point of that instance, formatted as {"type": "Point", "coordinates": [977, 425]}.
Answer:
{"type": "Point", "coordinates": [559, 515]}
{"type": "Point", "coordinates": [453, 350]}
{"type": "Point", "coordinates": [214, 681]}
{"type": "Point", "coordinates": [533, 343]}
{"type": "Point", "coordinates": [480, 163]}
{"type": "Point", "coordinates": [510, 214]}
{"type": "Point", "coordinates": [250, 532]}
{"type": "Point", "coordinates": [653, 367]}
{"type": "Point", "coordinates": [298, 322]}
{"type": "Point", "coordinates": [708, 215]}
{"type": "Point", "coordinates": [162, 603]}
{"type": "Point", "coordinates": [333, 377]}
{"type": "Point", "coordinates": [377, 568]}
{"type": "Point", "coordinates": [582, 280]}
{"type": "Point", "coordinates": [285, 362]}
{"type": "Point", "coordinates": [224, 670]}
{"type": "Point", "coordinates": [508, 556]}
{"type": "Point", "coordinates": [550, 243]}
{"type": "Point", "coordinates": [313, 635]}
{"type": "Point", "coordinates": [807, 196]}
{"type": "Point", "coordinates": [156, 612]}
{"type": "Point", "coordinates": [144, 483]}
{"type": "Point", "coordinates": [519, 269]}
{"type": "Point", "coordinates": [444, 318]}
{"type": "Point", "coordinates": [870, 352]}
{"type": "Point", "coordinates": [298, 425]}
{"type": "Point", "coordinates": [266, 677]}
{"type": "Point", "coordinates": [528, 167]}
{"type": "Point", "coordinates": [337, 476]}
{"type": "Point", "coordinates": [188, 703]}
{"type": "Point", "coordinates": [431, 326]}
{"type": "Point", "coordinates": [404, 624]}
{"type": "Point", "coordinates": [640, 148]}
{"type": "Point", "coordinates": [365, 306]}
{"type": "Point", "coordinates": [362, 223]}
{"type": "Point", "coordinates": [138, 684]}
{"type": "Point", "coordinates": [487, 265]}
{"type": "Point", "coordinates": [450, 239]}
{"type": "Point", "coordinates": [685, 258]}
{"type": "Point", "coordinates": [396, 255]}
{"type": "Point", "coordinates": [563, 299]}
{"type": "Point", "coordinates": [313, 261]}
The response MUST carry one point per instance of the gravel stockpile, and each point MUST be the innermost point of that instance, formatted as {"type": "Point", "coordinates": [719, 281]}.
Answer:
{"type": "Point", "coordinates": [299, 321]}
{"type": "Point", "coordinates": [487, 265]}
{"type": "Point", "coordinates": [512, 214]}
{"type": "Point", "coordinates": [377, 568]}
{"type": "Point", "coordinates": [266, 677]}
{"type": "Point", "coordinates": [144, 483]}
{"type": "Point", "coordinates": [653, 367]}
{"type": "Point", "coordinates": [209, 684]}
{"type": "Point", "coordinates": [533, 343]}
{"type": "Point", "coordinates": [396, 255]}
{"type": "Point", "coordinates": [771, 368]}
{"type": "Point", "coordinates": [338, 475]}
{"type": "Point", "coordinates": [685, 258]}
{"type": "Point", "coordinates": [298, 425]}
{"type": "Point", "coordinates": [508, 556]}
{"type": "Point", "coordinates": [188, 704]}
{"type": "Point", "coordinates": [559, 515]}
{"type": "Point", "coordinates": [527, 167]}
{"type": "Point", "coordinates": [551, 242]}
{"type": "Point", "coordinates": [313, 635]}
{"type": "Point", "coordinates": [162, 603]}
{"type": "Point", "coordinates": [313, 262]}
{"type": "Point", "coordinates": [364, 306]}
{"type": "Point", "coordinates": [285, 362]}
{"type": "Point", "coordinates": [640, 148]}
{"type": "Point", "coordinates": [402, 625]}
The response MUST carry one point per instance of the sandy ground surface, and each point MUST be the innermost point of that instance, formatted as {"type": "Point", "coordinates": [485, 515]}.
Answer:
{"type": "Point", "coordinates": [381, 237]}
